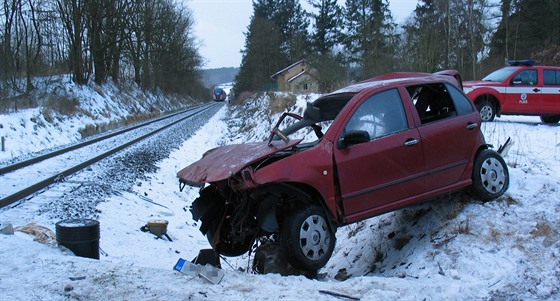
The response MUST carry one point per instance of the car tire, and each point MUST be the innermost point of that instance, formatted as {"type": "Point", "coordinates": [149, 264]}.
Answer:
{"type": "Point", "coordinates": [486, 109]}
{"type": "Point", "coordinates": [307, 239]}
{"type": "Point", "coordinates": [550, 118]}
{"type": "Point", "coordinates": [490, 176]}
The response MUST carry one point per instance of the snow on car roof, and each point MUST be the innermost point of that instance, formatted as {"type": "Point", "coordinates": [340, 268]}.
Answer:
{"type": "Point", "coordinates": [394, 79]}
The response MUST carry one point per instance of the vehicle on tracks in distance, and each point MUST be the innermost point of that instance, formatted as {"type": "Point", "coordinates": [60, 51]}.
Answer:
{"type": "Point", "coordinates": [219, 94]}
{"type": "Point", "coordinates": [370, 148]}
{"type": "Point", "coordinates": [522, 88]}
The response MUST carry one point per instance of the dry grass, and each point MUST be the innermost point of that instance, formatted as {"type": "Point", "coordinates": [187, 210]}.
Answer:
{"type": "Point", "coordinates": [94, 129]}
{"type": "Point", "coordinates": [357, 227]}
{"type": "Point", "coordinates": [462, 228]}
{"type": "Point", "coordinates": [542, 229]}
{"type": "Point", "coordinates": [242, 98]}
{"type": "Point", "coordinates": [464, 200]}
{"type": "Point", "coordinates": [279, 103]}
{"type": "Point", "coordinates": [495, 233]}
{"type": "Point", "coordinates": [508, 200]}
{"type": "Point", "coordinates": [99, 90]}
{"type": "Point", "coordinates": [63, 105]}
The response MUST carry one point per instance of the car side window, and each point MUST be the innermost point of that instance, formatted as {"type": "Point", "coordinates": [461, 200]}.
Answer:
{"type": "Point", "coordinates": [380, 115]}
{"type": "Point", "coordinates": [552, 77]}
{"type": "Point", "coordinates": [525, 78]}
{"type": "Point", "coordinates": [432, 102]}
{"type": "Point", "coordinates": [461, 101]}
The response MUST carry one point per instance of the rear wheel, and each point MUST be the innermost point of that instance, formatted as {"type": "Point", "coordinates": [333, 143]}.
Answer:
{"type": "Point", "coordinates": [307, 239]}
{"type": "Point", "coordinates": [550, 118]}
{"type": "Point", "coordinates": [487, 109]}
{"type": "Point", "coordinates": [490, 176]}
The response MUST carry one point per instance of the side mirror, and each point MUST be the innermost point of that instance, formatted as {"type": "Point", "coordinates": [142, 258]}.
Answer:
{"type": "Point", "coordinates": [353, 137]}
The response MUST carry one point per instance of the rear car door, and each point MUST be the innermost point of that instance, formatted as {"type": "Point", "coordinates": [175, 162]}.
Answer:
{"type": "Point", "coordinates": [385, 169]}
{"type": "Point", "coordinates": [551, 90]}
{"type": "Point", "coordinates": [449, 133]}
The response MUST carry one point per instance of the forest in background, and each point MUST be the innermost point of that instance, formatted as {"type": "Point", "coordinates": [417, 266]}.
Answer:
{"type": "Point", "coordinates": [152, 42]}
{"type": "Point", "coordinates": [149, 42]}
{"type": "Point", "coordinates": [360, 39]}
{"type": "Point", "coordinates": [216, 76]}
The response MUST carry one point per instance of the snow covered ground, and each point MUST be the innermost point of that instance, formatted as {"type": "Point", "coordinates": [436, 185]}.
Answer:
{"type": "Point", "coordinates": [454, 248]}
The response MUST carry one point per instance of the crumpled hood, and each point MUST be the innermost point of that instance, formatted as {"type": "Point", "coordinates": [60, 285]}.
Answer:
{"type": "Point", "coordinates": [220, 163]}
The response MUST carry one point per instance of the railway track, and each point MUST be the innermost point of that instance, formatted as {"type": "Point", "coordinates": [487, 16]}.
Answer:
{"type": "Point", "coordinates": [24, 178]}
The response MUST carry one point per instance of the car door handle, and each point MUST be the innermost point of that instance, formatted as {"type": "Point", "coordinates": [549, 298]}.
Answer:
{"type": "Point", "coordinates": [411, 142]}
{"type": "Point", "coordinates": [471, 125]}
{"type": "Point", "coordinates": [536, 90]}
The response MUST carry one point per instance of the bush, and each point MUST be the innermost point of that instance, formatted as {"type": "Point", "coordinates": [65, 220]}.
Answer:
{"type": "Point", "coordinates": [242, 98]}
{"type": "Point", "coordinates": [62, 104]}
{"type": "Point", "coordinates": [15, 103]}
{"type": "Point", "coordinates": [280, 102]}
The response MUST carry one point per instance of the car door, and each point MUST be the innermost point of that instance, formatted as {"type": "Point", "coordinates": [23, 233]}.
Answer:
{"type": "Point", "coordinates": [523, 95]}
{"type": "Point", "coordinates": [449, 133]}
{"type": "Point", "coordinates": [386, 167]}
{"type": "Point", "coordinates": [551, 90]}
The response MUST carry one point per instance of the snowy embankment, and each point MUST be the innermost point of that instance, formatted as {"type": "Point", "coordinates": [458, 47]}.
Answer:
{"type": "Point", "coordinates": [90, 108]}
{"type": "Point", "coordinates": [454, 248]}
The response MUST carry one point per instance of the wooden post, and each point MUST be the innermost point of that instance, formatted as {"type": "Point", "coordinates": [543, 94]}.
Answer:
{"type": "Point", "coordinates": [3, 143]}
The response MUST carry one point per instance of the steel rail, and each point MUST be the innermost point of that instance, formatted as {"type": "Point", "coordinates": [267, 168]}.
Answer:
{"type": "Point", "coordinates": [61, 151]}
{"type": "Point", "coordinates": [60, 176]}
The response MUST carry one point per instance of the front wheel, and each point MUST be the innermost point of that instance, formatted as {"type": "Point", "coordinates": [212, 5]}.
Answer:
{"type": "Point", "coordinates": [550, 118]}
{"type": "Point", "coordinates": [307, 239]}
{"type": "Point", "coordinates": [486, 109]}
{"type": "Point", "coordinates": [490, 176]}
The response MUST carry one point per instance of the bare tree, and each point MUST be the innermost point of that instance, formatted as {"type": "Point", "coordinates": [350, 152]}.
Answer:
{"type": "Point", "coordinates": [72, 16]}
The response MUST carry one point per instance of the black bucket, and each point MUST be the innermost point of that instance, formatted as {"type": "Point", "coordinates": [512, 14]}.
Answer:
{"type": "Point", "coordinates": [81, 236]}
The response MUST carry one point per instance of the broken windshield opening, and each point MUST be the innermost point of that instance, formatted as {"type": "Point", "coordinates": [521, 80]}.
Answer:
{"type": "Point", "coordinates": [317, 118]}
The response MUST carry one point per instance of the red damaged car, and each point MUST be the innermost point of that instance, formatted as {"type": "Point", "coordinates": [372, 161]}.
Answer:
{"type": "Point", "coordinates": [379, 145]}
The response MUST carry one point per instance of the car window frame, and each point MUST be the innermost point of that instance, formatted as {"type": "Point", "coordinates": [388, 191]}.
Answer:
{"type": "Point", "coordinates": [460, 98]}
{"type": "Point", "coordinates": [514, 83]}
{"type": "Point", "coordinates": [425, 121]}
{"type": "Point", "coordinates": [556, 77]}
{"type": "Point", "coordinates": [366, 98]}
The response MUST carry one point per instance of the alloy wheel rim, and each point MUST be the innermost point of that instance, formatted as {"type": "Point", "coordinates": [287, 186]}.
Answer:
{"type": "Point", "coordinates": [486, 112]}
{"type": "Point", "coordinates": [314, 237]}
{"type": "Point", "coordinates": [492, 175]}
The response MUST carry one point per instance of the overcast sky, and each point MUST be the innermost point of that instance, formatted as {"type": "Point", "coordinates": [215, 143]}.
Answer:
{"type": "Point", "coordinates": [220, 27]}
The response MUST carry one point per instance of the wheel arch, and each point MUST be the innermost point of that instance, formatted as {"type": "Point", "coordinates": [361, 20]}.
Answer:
{"type": "Point", "coordinates": [491, 98]}
{"type": "Point", "coordinates": [481, 148]}
{"type": "Point", "coordinates": [279, 198]}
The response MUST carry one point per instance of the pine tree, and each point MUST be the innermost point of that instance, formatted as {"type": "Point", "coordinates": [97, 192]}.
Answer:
{"type": "Point", "coordinates": [425, 39]}
{"type": "Point", "coordinates": [327, 27]}
{"type": "Point", "coordinates": [370, 38]}
{"type": "Point", "coordinates": [276, 37]}
{"type": "Point", "coordinates": [262, 53]}
{"type": "Point", "coordinates": [293, 23]}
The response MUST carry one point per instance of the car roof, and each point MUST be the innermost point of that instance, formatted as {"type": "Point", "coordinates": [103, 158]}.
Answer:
{"type": "Point", "coordinates": [395, 80]}
{"type": "Point", "coordinates": [531, 67]}
{"type": "Point", "coordinates": [329, 105]}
